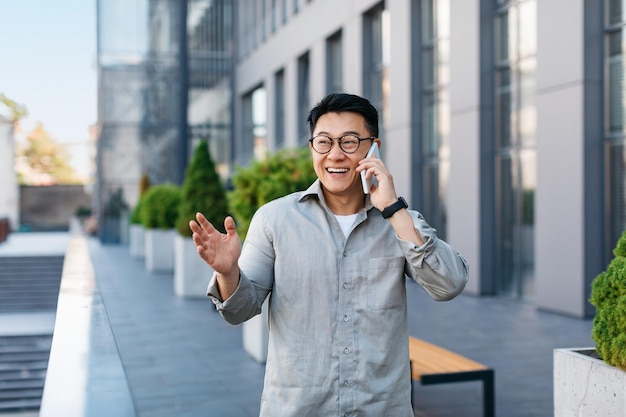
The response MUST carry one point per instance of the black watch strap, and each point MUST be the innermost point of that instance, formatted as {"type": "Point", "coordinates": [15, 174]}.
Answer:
{"type": "Point", "coordinates": [391, 210]}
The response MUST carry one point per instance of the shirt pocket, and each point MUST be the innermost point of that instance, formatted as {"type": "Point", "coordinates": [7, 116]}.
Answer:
{"type": "Point", "coordinates": [385, 283]}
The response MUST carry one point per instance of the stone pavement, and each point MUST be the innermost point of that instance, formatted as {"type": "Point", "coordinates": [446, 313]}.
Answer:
{"type": "Point", "coordinates": [182, 359]}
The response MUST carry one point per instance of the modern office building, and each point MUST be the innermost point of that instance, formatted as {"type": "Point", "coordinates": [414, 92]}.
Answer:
{"type": "Point", "coordinates": [164, 82]}
{"type": "Point", "coordinates": [502, 121]}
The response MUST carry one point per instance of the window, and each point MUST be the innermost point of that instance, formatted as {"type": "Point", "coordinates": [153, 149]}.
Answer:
{"type": "Point", "coordinates": [334, 82]}
{"type": "Point", "coordinates": [435, 110]}
{"type": "Point", "coordinates": [376, 60]}
{"type": "Point", "coordinates": [615, 128]}
{"type": "Point", "coordinates": [303, 98]}
{"type": "Point", "coordinates": [515, 152]}
{"type": "Point", "coordinates": [279, 108]}
{"type": "Point", "coordinates": [254, 130]}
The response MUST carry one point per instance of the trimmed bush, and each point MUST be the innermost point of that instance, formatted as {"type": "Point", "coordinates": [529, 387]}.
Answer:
{"type": "Point", "coordinates": [608, 295]}
{"type": "Point", "coordinates": [144, 184]}
{"type": "Point", "coordinates": [280, 174]}
{"type": "Point", "coordinates": [202, 191]}
{"type": "Point", "coordinates": [159, 208]}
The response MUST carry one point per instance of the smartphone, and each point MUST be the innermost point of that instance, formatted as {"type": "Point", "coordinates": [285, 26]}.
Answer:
{"type": "Point", "coordinates": [367, 184]}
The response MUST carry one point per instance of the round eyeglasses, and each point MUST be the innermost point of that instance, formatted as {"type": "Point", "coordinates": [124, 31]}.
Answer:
{"type": "Point", "coordinates": [348, 143]}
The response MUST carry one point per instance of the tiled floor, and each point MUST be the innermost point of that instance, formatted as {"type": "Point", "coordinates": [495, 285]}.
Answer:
{"type": "Point", "coordinates": [182, 359]}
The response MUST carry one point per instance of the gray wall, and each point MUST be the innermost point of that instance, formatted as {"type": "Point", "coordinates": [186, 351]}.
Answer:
{"type": "Point", "coordinates": [49, 208]}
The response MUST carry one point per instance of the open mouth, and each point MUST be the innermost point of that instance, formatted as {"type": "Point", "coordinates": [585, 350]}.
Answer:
{"type": "Point", "coordinates": [337, 170]}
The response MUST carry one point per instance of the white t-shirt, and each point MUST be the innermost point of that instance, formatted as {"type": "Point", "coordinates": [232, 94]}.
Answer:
{"type": "Point", "coordinates": [346, 223]}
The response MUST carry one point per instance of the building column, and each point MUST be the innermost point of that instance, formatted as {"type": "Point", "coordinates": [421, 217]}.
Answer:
{"type": "Point", "coordinates": [560, 195]}
{"type": "Point", "coordinates": [463, 194]}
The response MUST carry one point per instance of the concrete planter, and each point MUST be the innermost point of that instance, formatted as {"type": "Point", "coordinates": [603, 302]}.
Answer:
{"type": "Point", "coordinates": [586, 386]}
{"type": "Point", "coordinates": [191, 273]}
{"type": "Point", "coordinates": [160, 250]}
{"type": "Point", "coordinates": [256, 335]}
{"type": "Point", "coordinates": [136, 241]}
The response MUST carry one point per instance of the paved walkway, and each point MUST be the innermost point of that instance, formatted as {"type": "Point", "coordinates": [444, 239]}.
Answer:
{"type": "Point", "coordinates": [182, 359]}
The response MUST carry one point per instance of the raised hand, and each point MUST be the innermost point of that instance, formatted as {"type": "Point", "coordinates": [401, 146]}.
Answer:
{"type": "Point", "coordinates": [221, 251]}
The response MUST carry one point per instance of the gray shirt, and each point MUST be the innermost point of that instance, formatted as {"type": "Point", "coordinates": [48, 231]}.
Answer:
{"type": "Point", "coordinates": [338, 340]}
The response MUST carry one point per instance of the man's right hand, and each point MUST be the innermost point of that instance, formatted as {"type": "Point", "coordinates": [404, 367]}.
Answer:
{"type": "Point", "coordinates": [220, 251]}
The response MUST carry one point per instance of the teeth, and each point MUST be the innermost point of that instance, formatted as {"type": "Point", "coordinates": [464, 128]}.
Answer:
{"type": "Point", "coordinates": [337, 170]}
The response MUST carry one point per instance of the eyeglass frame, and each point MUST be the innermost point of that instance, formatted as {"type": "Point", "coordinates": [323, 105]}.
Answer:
{"type": "Point", "coordinates": [339, 140]}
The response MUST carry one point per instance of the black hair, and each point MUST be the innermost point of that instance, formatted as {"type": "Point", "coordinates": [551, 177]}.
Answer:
{"type": "Point", "coordinates": [344, 102]}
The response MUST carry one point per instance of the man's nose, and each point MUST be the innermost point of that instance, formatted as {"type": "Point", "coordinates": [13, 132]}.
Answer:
{"type": "Point", "coordinates": [336, 152]}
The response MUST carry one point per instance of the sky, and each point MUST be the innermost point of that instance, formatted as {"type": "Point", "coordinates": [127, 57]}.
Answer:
{"type": "Point", "coordinates": [48, 63]}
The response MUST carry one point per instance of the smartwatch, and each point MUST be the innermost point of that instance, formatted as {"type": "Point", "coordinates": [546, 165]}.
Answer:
{"type": "Point", "coordinates": [391, 210]}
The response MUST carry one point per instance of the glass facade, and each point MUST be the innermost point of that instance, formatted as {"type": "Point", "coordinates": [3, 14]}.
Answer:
{"type": "Point", "coordinates": [304, 99]}
{"type": "Point", "coordinates": [515, 151]}
{"type": "Point", "coordinates": [164, 82]}
{"type": "Point", "coordinates": [376, 60]}
{"type": "Point", "coordinates": [435, 109]}
{"type": "Point", "coordinates": [615, 121]}
{"type": "Point", "coordinates": [279, 109]}
{"type": "Point", "coordinates": [334, 67]}
{"type": "Point", "coordinates": [254, 130]}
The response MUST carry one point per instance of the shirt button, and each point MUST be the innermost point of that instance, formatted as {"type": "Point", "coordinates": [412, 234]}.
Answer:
{"type": "Point", "coordinates": [346, 383]}
{"type": "Point", "coordinates": [346, 318]}
{"type": "Point", "coordinates": [345, 285]}
{"type": "Point", "coordinates": [345, 254]}
{"type": "Point", "coordinates": [346, 351]}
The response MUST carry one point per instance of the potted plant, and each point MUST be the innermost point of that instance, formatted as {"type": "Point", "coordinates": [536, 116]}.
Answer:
{"type": "Point", "coordinates": [591, 381]}
{"type": "Point", "coordinates": [115, 213]}
{"type": "Point", "coordinates": [202, 191]}
{"type": "Point", "coordinates": [137, 233]}
{"type": "Point", "coordinates": [264, 180]}
{"type": "Point", "coordinates": [159, 212]}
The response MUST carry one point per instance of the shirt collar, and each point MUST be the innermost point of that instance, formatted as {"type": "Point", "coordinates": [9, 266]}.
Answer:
{"type": "Point", "coordinates": [315, 190]}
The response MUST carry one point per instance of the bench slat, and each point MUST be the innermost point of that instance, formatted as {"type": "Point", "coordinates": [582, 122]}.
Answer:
{"type": "Point", "coordinates": [429, 359]}
{"type": "Point", "coordinates": [432, 364]}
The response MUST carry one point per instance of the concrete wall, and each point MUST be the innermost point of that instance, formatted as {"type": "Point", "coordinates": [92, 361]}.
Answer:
{"type": "Point", "coordinates": [559, 202]}
{"type": "Point", "coordinates": [48, 208]}
{"type": "Point", "coordinates": [9, 196]}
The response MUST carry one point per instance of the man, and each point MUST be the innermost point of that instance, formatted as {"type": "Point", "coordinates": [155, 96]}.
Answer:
{"type": "Point", "coordinates": [334, 261]}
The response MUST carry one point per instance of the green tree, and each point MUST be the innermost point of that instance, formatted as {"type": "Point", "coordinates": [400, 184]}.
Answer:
{"type": "Point", "coordinates": [284, 172]}
{"type": "Point", "coordinates": [202, 191]}
{"type": "Point", "coordinates": [18, 111]}
{"type": "Point", "coordinates": [44, 157]}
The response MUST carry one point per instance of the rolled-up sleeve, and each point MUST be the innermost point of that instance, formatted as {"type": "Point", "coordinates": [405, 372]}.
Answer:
{"type": "Point", "coordinates": [256, 265]}
{"type": "Point", "coordinates": [435, 265]}
{"type": "Point", "coordinates": [240, 306]}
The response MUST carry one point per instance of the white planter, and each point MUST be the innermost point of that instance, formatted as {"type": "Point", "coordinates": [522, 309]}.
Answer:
{"type": "Point", "coordinates": [191, 273]}
{"type": "Point", "coordinates": [160, 250]}
{"type": "Point", "coordinates": [586, 386]}
{"type": "Point", "coordinates": [256, 335]}
{"type": "Point", "coordinates": [136, 241]}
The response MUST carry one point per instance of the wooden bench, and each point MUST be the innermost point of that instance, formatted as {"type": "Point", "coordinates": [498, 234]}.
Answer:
{"type": "Point", "coordinates": [431, 364]}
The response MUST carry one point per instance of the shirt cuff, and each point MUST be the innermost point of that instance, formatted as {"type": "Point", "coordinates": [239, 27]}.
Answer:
{"type": "Point", "coordinates": [236, 301]}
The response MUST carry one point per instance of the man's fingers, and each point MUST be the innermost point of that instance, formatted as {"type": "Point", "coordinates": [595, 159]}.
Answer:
{"type": "Point", "coordinates": [204, 223]}
{"type": "Point", "coordinates": [229, 225]}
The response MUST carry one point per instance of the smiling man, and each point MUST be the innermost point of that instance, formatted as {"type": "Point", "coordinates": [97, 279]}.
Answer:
{"type": "Point", "coordinates": [334, 262]}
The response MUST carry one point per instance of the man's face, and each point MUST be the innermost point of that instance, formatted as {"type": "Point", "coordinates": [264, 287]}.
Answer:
{"type": "Point", "coordinates": [337, 169]}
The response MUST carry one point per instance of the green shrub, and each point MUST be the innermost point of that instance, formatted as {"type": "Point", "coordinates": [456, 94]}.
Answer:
{"type": "Point", "coordinates": [144, 185]}
{"type": "Point", "coordinates": [608, 295]}
{"type": "Point", "coordinates": [202, 191]}
{"type": "Point", "coordinates": [159, 208]}
{"type": "Point", "coordinates": [280, 174]}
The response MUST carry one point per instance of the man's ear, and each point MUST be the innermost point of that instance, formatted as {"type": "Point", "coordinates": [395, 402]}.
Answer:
{"type": "Point", "coordinates": [379, 142]}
